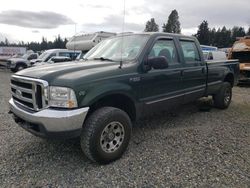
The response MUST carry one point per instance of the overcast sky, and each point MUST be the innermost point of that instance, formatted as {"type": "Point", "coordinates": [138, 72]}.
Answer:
{"type": "Point", "coordinates": [28, 20]}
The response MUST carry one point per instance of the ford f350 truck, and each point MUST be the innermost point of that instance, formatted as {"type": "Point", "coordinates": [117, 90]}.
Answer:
{"type": "Point", "coordinates": [121, 80]}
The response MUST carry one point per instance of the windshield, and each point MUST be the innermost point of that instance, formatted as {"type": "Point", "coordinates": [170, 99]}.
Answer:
{"type": "Point", "coordinates": [205, 55]}
{"type": "Point", "coordinates": [122, 48]}
{"type": "Point", "coordinates": [81, 56]}
{"type": "Point", "coordinates": [25, 56]}
{"type": "Point", "coordinates": [44, 54]}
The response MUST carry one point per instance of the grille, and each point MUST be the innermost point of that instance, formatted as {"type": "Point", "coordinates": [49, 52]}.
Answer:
{"type": "Point", "coordinates": [29, 92]}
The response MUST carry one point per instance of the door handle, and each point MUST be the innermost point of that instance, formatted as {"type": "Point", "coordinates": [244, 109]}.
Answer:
{"type": "Point", "coordinates": [182, 72]}
{"type": "Point", "coordinates": [203, 70]}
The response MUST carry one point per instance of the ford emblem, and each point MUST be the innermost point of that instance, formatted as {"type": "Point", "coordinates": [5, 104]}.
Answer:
{"type": "Point", "coordinates": [18, 93]}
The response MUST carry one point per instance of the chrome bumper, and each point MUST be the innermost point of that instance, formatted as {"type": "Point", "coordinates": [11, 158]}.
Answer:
{"type": "Point", "coordinates": [52, 120]}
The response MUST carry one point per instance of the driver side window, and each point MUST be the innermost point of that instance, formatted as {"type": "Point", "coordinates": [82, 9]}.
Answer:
{"type": "Point", "coordinates": [166, 48]}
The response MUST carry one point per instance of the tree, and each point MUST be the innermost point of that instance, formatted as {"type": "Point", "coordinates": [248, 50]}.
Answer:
{"type": "Point", "coordinates": [212, 35]}
{"type": "Point", "coordinates": [223, 38]}
{"type": "Point", "coordinates": [44, 44]}
{"type": "Point", "coordinates": [248, 32]}
{"type": "Point", "coordinates": [173, 25]}
{"type": "Point", "coordinates": [58, 42]}
{"type": "Point", "coordinates": [6, 42]}
{"type": "Point", "coordinates": [203, 33]}
{"type": "Point", "coordinates": [151, 26]}
{"type": "Point", "coordinates": [237, 32]}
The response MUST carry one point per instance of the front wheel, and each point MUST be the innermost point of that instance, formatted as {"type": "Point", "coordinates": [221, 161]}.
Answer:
{"type": "Point", "coordinates": [223, 98]}
{"type": "Point", "coordinates": [106, 134]}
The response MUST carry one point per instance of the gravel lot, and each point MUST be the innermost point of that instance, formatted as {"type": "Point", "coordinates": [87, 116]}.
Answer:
{"type": "Point", "coordinates": [188, 148]}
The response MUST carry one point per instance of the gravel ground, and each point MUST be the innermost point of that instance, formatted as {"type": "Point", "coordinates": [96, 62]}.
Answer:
{"type": "Point", "coordinates": [188, 148]}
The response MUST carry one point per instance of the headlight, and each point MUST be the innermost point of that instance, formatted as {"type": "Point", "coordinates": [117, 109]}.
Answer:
{"type": "Point", "coordinates": [61, 97]}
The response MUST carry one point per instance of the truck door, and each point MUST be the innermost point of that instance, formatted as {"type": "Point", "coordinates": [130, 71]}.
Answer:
{"type": "Point", "coordinates": [195, 71]}
{"type": "Point", "coordinates": [162, 88]}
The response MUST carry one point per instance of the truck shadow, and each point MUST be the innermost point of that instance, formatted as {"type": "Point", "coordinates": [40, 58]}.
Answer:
{"type": "Point", "coordinates": [68, 153]}
{"type": "Point", "coordinates": [244, 84]}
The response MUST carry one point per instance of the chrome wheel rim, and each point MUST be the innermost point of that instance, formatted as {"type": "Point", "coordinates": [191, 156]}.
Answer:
{"type": "Point", "coordinates": [227, 96]}
{"type": "Point", "coordinates": [112, 137]}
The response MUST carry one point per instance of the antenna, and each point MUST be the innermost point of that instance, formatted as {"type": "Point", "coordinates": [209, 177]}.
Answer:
{"type": "Point", "coordinates": [74, 40]}
{"type": "Point", "coordinates": [123, 25]}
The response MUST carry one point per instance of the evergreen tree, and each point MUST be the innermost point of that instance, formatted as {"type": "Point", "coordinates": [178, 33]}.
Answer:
{"type": "Point", "coordinates": [44, 44]}
{"type": "Point", "coordinates": [203, 33]}
{"type": "Point", "coordinates": [65, 42]}
{"type": "Point", "coordinates": [173, 25]}
{"type": "Point", "coordinates": [248, 32]}
{"type": "Point", "coordinates": [212, 34]}
{"type": "Point", "coordinates": [37, 46]}
{"type": "Point", "coordinates": [58, 42]}
{"type": "Point", "coordinates": [151, 26]}
{"type": "Point", "coordinates": [237, 32]}
{"type": "Point", "coordinates": [6, 42]}
{"type": "Point", "coordinates": [221, 40]}
{"type": "Point", "coordinates": [224, 39]}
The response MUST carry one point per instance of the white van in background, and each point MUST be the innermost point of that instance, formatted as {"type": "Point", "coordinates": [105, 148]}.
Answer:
{"type": "Point", "coordinates": [214, 55]}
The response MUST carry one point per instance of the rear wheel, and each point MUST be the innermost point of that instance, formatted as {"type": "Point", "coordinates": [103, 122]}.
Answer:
{"type": "Point", "coordinates": [106, 134]}
{"type": "Point", "coordinates": [223, 98]}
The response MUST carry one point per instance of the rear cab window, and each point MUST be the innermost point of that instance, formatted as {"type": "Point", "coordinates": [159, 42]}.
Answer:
{"type": "Point", "coordinates": [165, 47]}
{"type": "Point", "coordinates": [190, 51]}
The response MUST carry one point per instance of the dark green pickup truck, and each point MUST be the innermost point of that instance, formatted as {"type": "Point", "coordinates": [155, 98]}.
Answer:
{"type": "Point", "coordinates": [120, 80]}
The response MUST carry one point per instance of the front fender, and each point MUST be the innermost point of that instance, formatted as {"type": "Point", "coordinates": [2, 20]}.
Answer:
{"type": "Point", "coordinates": [99, 91]}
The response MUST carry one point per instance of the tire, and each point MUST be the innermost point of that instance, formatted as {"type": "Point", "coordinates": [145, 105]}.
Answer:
{"type": "Point", "coordinates": [19, 68]}
{"type": "Point", "coordinates": [223, 98]}
{"type": "Point", "coordinates": [105, 135]}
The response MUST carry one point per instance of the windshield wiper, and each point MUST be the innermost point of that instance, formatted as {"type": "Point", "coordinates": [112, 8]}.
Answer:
{"type": "Point", "coordinates": [103, 59]}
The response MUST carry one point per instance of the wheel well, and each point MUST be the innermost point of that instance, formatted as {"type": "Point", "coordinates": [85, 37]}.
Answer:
{"type": "Point", "coordinates": [120, 101]}
{"type": "Point", "coordinates": [229, 78]}
{"type": "Point", "coordinates": [21, 63]}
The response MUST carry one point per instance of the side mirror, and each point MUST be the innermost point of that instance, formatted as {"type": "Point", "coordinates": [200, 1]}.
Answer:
{"type": "Point", "coordinates": [160, 62]}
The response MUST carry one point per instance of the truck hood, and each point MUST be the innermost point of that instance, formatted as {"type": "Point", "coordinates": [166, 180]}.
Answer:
{"type": "Point", "coordinates": [17, 60]}
{"type": "Point", "coordinates": [68, 70]}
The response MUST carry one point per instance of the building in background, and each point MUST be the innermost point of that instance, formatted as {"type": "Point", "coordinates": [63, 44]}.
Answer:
{"type": "Point", "coordinates": [7, 52]}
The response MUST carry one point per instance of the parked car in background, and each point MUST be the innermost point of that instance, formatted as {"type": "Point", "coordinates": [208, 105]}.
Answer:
{"type": "Point", "coordinates": [16, 64]}
{"type": "Point", "coordinates": [55, 59]}
{"type": "Point", "coordinates": [214, 55]}
{"type": "Point", "coordinates": [48, 54]}
{"type": "Point", "coordinates": [226, 50]}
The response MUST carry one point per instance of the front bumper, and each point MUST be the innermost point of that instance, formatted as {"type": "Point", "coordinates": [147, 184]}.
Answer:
{"type": "Point", "coordinates": [50, 122]}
